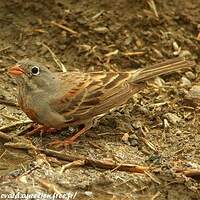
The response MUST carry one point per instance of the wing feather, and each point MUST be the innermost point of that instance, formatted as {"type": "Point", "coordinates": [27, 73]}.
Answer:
{"type": "Point", "coordinates": [85, 95]}
{"type": "Point", "coordinates": [93, 93]}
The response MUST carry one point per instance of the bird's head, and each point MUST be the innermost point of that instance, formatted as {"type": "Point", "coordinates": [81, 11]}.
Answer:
{"type": "Point", "coordinates": [32, 75]}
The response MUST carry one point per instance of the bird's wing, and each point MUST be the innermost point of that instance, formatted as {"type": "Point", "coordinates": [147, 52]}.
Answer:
{"type": "Point", "coordinates": [90, 94]}
{"type": "Point", "coordinates": [85, 95]}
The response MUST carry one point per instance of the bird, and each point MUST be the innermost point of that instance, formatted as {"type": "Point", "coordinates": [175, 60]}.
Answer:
{"type": "Point", "coordinates": [62, 99]}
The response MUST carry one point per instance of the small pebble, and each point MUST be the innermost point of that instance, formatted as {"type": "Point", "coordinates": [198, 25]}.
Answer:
{"type": "Point", "coordinates": [185, 82]}
{"type": "Point", "coordinates": [166, 123]}
{"type": "Point", "coordinates": [144, 110]}
{"type": "Point", "coordinates": [125, 138]}
{"type": "Point", "coordinates": [71, 129]}
{"type": "Point", "coordinates": [101, 29]}
{"type": "Point", "coordinates": [159, 81]}
{"type": "Point", "coordinates": [197, 69]}
{"type": "Point", "coordinates": [139, 43]}
{"type": "Point", "coordinates": [134, 143]}
{"type": "Point", "coordinates": [172, 118]}
{"type": "Point", "coordinates": [23, 179]}
{"type": "Point", "coordinates": [190, 75]}
{"type": "Point", "coordinates": [195, 91]}
{"type": "Point", "coordinates": [134, 137]}
{"type": "Point", "coordinates": [137, 124]}
{"type": "Point", "coordinates": [192, 165]}
{"type": "Point", "coordinates": [84, 48]}
{"type": "Point", "coordinates": [62, 47]}
{"type": "Point", "coordinates": [128, 40]}
{"type": "Point", "coordinates": [89, 193]}
{"type": "Point", "coordinates": [175, 46]}
{"type": "Point", "coordinates": [184, 53]}
{"type": "Point", "coordinates": [177, 49]}
{"type": "Point", "coordinates": [81, 20]}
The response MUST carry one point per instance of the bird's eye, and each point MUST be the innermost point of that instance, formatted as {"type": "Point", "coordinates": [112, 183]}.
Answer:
{"type": "Point", "coordinates": [35, 70]}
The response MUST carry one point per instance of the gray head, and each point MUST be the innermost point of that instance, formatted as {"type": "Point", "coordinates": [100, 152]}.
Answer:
{"type": "Point", "coordinates": [32, 75]}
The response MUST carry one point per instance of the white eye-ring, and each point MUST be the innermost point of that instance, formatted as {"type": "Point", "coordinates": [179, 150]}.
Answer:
{"type": "Point", "coordinates": [35, 70]}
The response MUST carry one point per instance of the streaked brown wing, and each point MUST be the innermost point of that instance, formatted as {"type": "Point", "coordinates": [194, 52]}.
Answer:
{"type": "Point", "coordinates": [88, 95]}
{"type": "Point", "coordinates": [85, 95]}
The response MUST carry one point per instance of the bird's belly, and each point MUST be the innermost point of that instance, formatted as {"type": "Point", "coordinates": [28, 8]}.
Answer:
{"type": "Point", "coordinates": [42, 114]}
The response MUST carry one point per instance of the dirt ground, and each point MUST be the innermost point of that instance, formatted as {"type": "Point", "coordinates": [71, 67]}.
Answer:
{"type": "Point", "coordinates": [157, 129]}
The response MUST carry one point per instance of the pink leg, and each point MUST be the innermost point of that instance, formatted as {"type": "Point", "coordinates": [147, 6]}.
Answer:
{"type": "Point", "coordinates": [41, 129]}
{"type": "Point", "coordinates": [71, 140]}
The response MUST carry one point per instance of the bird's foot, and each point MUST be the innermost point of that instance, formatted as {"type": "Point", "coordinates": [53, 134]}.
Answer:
{"type": "Point", "coordinates": [72, 140]}
{"type": "Point", "coordinates": [62, 143]}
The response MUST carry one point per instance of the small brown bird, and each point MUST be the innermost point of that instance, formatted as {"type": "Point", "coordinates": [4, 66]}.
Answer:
{"type": "Point", "coordinates": [58, 100]}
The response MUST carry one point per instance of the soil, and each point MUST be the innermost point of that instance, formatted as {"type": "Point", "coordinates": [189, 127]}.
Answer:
{"type": "Point", "coordinates": [158, 127]}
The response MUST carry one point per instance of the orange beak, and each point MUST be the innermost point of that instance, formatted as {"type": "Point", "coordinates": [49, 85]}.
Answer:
{"type": "Point", "coordinates": [16, 70]}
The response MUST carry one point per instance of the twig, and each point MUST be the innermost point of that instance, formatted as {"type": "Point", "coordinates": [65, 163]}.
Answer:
{"type": "Point", "coordinates": [5, 137]}
{"type": "Point", "coordinates": [1, 156]}
{"type": "Point", "coordinates": [156, 195]}
{"type": "Point", "coordinates": [7, 127]}
{"type": "Point", "coordinates": [97, 15]}
{"type": "Point", "coordinates": [55, 58]}
{"type": "Point", "coordinates": [5, 48]}
{"type": "Point", "coordinates": [189, 172]}
{"type": "Point", "coordinates": [109, 133]}
{"type": "Point", "coordinates": [198, 36]}
{"type": "Point", "coordinates": [116, 168]}
{"type": "Point", "coordinates": [96, 163]}
{"type": "Point", "coordinates": [152, 5]}
{"type": "Point", "coordinates": [112, 53]}
{"type": "Point", "coordinates": [8, 102]}
{"type": "Point", "coordinates": [75, 163]}
{"type": "Point", "coordinates": [149, 144]}
{"type": "Point", "coordinates": [153, 178]}
{"type": "Point", "coordinates": [133, 53]}
{"type": "Point", "coordinates": [13, 58]}
{"type": "Point", "coordinates": [64, 27]}
{"type": "Point", "coordinates": [9, 117]}
{"type": "Point", "coordinates": [95, 145]}
{"type": "Point", "coordinates": [51, 187]}
{"type": "Point", "coordinates": [25, 130]}
{"type": "Point", "coordinates": [20, 145]}
{"type": "Point", "coordinates": [81, 160]}
{"type": "Point", "coordinates": [39, 30]}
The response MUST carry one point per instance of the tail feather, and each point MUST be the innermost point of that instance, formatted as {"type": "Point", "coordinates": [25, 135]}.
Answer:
{"type": "Point", "coordinates": [169, 66]}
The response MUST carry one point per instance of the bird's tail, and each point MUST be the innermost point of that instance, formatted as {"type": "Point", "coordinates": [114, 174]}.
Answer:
{"type": "Point", "coordinates": [165, 67]}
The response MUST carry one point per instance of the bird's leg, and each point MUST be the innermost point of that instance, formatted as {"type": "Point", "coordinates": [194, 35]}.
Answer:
{"type": "Point", "coordinates": [71, 140]}
{"type": "Point", "coordinates": [41, 129]}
